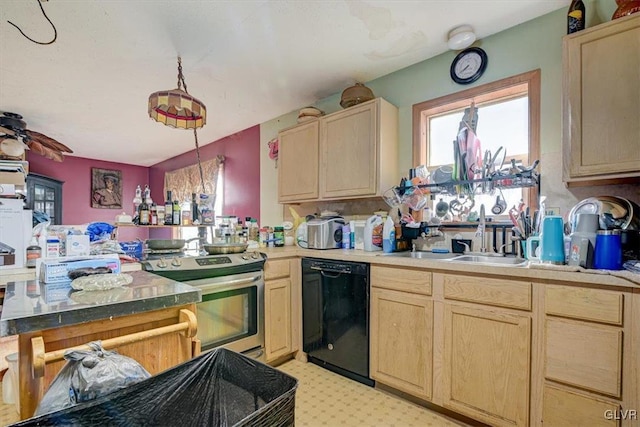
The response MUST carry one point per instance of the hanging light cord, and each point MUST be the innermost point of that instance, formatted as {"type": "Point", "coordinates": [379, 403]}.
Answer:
{"type": "Point", "coordinates": [55, 32]}
{"type": "Point", "coordinates": [182, 82]}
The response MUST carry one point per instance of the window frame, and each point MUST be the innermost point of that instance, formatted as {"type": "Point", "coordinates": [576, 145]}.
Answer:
{"type": "Point", "coordinates": [506, 88]}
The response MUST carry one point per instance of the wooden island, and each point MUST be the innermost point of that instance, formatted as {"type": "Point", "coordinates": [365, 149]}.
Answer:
{"type": "Point", "coordinates": [152, 321]}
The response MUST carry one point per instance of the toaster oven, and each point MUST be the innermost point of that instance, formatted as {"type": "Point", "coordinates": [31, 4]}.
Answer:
{"type": "Point", "coordinates": [325, 233]}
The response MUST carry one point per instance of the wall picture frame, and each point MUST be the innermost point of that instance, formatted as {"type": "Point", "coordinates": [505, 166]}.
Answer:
{"type": "Point", "coordinates": [106, 188]}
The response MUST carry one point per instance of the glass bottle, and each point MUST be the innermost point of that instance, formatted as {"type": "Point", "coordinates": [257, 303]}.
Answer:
{"type": "Point", "coordinates": [186, 212]}
{"type": "Point", "coordinates": [153, 214]}
{"type": "Point", "coordinates": [147, 195]}
{"type": "Point", "coordinates": [175, 209]}
{"type": "Point", "coordinates": [137, 199]}
{"type": "Point", "coordinates": [195, 216]}
{"type": "Point", "coordinates": [575, 17]}
{"type": "Point", "coordinates": [168, 210]}
{"type": "Point", "coordinates": [145, 213]}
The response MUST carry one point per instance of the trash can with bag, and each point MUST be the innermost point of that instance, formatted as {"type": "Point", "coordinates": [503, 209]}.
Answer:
{"type": "Point", "coordinates": [217, 388]}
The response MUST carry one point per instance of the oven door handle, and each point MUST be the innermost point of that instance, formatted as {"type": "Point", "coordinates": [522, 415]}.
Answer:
{"type": "Point", "coordinates": [230, 284]}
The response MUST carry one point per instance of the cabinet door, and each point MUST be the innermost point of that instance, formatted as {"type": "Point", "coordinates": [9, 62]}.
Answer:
{"type": "Point", "coordinates": [486, 365]}
{"type": "Point", "coordinates": [44, 194]}
{"type": "Point", "coordinates": [277, 318]}
{"type": "Point", "coordinates": [349, 152]}
{"type": "Point", "coordinates": [298, 163]}
{"type": "Point", "coordinates": [601, 101]}
{"type": "Point", "coordinates": [402, 341]}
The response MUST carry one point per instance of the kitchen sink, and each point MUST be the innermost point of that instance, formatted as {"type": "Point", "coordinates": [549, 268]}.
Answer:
{"type": "Point", "coordinates": [481, 259]}
{"type": "Point", "coordinates": [422, 255]}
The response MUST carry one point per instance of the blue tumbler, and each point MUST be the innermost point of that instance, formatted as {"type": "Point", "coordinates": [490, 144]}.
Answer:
{"type": "Point", "coordinates": [608, 251]}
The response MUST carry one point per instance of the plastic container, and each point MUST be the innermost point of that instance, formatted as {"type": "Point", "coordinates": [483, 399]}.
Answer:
{"type": "Point", "coordinates": [52, 249]}
{"type": "Point", "coordinates": [357, 231]}
{"type": "Point", "coordinates": [373, 234]}
{"type": "Point", "coordinates": [346, 236]}
{"type": "Point", "coordinates": [388, 236]}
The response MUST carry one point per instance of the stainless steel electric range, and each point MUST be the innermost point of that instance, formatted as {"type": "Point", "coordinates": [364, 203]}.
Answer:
{"type": "Point", "coordinates": [231, 313]}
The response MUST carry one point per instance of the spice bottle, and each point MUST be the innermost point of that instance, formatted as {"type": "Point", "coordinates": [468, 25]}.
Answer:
{"type": "Point", "coordinates": [278, 235]}
{"type": "Point", "coordinates": [33, 253]}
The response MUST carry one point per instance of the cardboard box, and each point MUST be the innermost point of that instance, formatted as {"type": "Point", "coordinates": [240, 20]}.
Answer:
{"type": "Point", "coordinates": [78, 245]}
{"type": "Point", "coordinates": [15, 232]}
{"type": "Point", "coordinates": [16, 178]}
{"type": "Point", "coordinates": [56, 270]}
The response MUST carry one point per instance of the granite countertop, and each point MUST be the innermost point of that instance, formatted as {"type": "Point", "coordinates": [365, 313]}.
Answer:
{"type": "Point", "coordinates": [31, 305]}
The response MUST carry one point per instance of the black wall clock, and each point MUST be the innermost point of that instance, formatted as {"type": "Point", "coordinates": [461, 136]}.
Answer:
{"type": "Point", "coordinates": [469, 65]}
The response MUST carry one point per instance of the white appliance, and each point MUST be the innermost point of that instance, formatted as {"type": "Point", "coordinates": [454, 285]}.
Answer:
{"type": "Point", "coordinates": [15, 233]}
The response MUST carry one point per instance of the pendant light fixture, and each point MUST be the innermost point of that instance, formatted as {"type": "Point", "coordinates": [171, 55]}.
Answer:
{"type": "Point", "coordinates": [178, 109]}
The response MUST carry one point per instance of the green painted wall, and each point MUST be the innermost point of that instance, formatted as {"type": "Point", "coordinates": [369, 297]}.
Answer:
{"type": "Point", "coordinates": [525, 47]}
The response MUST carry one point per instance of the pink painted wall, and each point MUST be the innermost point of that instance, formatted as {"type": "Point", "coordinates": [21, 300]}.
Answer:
{"type": "Point", "coordinates": [76, 191]}
{"type": "Point", "coordinates": [241, 179]}
{"type": "Point", "coordinates": [241, 171]}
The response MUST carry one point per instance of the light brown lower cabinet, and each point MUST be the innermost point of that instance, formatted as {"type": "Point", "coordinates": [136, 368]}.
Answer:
{"type": "Point", "coordinates": [282, 294]}
{"type": "Point", "coordinates": [402, 341]}
{"type": "Point", "coordinates": [486, 364]}
{"type": "Point", "coordinates": [590, 357]}
{"type": "Point", "coordinates": [277, 302]}
{"type": "Point", "coordinates": [563, 408]}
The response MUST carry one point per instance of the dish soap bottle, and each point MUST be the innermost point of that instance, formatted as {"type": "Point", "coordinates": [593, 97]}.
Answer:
{"type": "Point", "coordinates": [388, 236]}
{"type": "Point", "coordinates": [372, 236]}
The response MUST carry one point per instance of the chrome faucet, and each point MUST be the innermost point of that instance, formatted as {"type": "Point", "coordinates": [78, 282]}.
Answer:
{"type": "Point", "coordinates": [481, 229]}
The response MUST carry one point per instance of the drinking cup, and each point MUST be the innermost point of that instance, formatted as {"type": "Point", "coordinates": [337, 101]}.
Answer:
{"type": "Point", "coordinates": [608, 252]}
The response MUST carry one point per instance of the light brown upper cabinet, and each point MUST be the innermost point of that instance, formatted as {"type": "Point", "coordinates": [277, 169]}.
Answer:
{"type": "Point", "coordinates": [601, 101]}
{"type": "Point", "coordinates": [298, 155]}
{"type": "Point", "coordinates": [354, 155]}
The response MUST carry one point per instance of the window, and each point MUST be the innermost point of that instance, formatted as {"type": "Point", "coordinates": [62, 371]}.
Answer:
{"type": "Point", "coordinates": [192, 232]}
{"type": "Point", "coordinates": [508, 116]}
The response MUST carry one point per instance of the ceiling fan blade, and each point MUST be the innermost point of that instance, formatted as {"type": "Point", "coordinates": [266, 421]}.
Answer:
{"type": "Point", "coordinates": [36, 147]}
{"type": "Point", "coordinates": [7, 131]}
{"type": "Point", "coordinates": [48, 142]}
{"type": "Point", "coordinates": [52, 154]}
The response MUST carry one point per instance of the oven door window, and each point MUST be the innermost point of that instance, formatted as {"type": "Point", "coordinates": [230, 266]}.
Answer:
{"type": "Point", "coordinates": [227, 316]}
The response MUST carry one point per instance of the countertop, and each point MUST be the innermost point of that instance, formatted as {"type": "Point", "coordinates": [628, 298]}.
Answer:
{"type": "Point", "coordinates": [537, 272]}
{"type": "Point", "coordinates": [30, 305]}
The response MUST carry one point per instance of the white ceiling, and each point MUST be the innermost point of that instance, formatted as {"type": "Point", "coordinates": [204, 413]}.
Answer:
{"type": "Point", "coordinates": [249, 61]}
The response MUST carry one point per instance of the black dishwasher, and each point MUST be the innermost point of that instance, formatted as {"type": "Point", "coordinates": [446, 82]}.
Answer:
{"type": "Point", "coordinates": [335, 316]}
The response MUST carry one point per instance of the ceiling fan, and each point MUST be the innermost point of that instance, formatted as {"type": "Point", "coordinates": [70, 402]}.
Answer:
{"type": "Point", "coordinates": [15, 138]}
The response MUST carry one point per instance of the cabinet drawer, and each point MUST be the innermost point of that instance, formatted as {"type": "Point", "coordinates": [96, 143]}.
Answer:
{"type": "Point", "coordinates": [564, 408]}
{"type": "Point", "coordinates": [498, 292]}
{"type": "Point", "coordinates": [585, 304]}
{"type": "Point", "coordinates": [584, 355]}
{"type": "Point", "coordinates": [276, 269]}
{"type": "Point", "coordinates": [401, 279]}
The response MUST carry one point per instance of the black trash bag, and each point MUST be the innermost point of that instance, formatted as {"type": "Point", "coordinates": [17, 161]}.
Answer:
{"type": "Point", "coordinates": [89, 374]}
{"type": "Point", "coordinates": [217, 388]}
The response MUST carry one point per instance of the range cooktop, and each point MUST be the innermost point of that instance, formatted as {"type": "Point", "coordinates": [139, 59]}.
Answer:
{"type": "Point", "coordinates": [183, 267]}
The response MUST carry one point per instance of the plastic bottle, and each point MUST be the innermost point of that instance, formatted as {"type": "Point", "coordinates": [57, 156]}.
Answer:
{"type": "Point", "coordinates": [346, 236]}
{"type": "Point", "coordinates": [388, 236]}
{"type": "Point", "coordinates": [369, 226]}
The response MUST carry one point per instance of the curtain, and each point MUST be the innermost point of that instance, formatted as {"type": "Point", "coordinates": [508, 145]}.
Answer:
{"type": "Point", "coordinates": [182, 182]}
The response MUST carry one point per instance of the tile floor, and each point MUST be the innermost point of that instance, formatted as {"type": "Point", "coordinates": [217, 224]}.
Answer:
{"type": "Point", "coordinates": [324, 398]}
